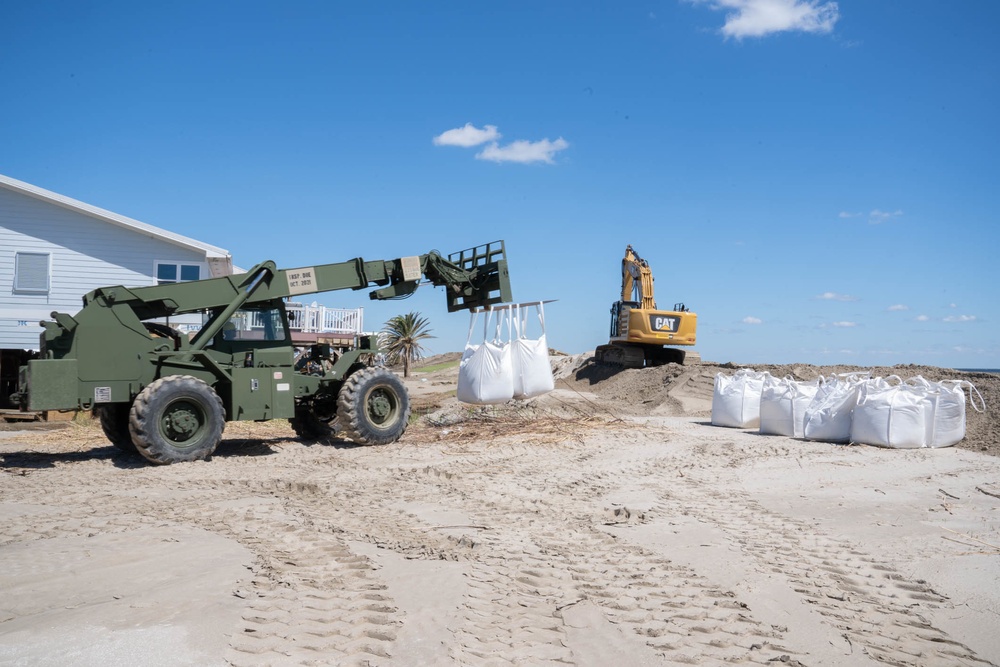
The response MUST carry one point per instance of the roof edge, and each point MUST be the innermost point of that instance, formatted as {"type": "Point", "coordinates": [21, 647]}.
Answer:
{"type": "Point", "coordinates": [210, 251]}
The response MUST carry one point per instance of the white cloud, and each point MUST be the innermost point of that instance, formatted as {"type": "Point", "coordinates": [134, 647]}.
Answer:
{"type": "Point", "coordinates": [752, 320]}
{"type": "Point", "coordinates": [921, 318]}
{"type": "Point", "coordinates": [833, 296]}
{"type": "Point", "coordinates": [523, 152]}
{"type": "Point", "coordinates": [467, 136]}
{"type": "Point", "coordinates": [898, 306]}
{"type": "Point", "coordinates": [877, 217]}
{"type": "Point", "coordinates": [845, 324]}
{"type": "Point", "coordinates": [757, 18]}
{"type": "Point", "coordinates": [960, 318]}
{"type": "Point", "coordinates": [847, 214]}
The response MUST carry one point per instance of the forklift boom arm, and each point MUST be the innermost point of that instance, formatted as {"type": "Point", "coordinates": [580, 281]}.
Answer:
{"type": "Point", "coordinates": [474, 278]}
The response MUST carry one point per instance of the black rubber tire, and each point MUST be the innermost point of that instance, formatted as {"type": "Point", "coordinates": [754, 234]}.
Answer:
{"type": "Point", "coordinates": [373, 407]}
{"type": "Point", "coordinates": [114, 422]}
{"type": "Point", "coordinates": [177, 418]}
{"type": "Point", "coordinates": [310, 427]}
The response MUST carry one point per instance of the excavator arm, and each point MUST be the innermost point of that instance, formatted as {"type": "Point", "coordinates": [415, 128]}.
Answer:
{"type": "Point", "coordinates": [637, 280]}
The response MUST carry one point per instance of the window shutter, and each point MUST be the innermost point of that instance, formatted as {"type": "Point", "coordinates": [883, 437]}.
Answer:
{"type": "Point", "coordinates": [31, 272]}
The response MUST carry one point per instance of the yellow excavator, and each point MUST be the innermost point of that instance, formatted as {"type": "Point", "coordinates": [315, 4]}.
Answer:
{"type": "Point", "coordinates": [641, 335]}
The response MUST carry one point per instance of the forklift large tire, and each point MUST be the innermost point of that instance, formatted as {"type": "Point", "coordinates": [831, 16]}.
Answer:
{"type": "Point", "coordinates": [114, 422]}
{"type": "Point", "coordinates": [177, 418]}
{"type": "Point", "coordinates": [311, 427]}
{"type": "Point", "coordinates": [373, 407]}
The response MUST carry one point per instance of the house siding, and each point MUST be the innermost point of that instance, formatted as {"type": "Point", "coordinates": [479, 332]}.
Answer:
{"type": "Point", "coordinates": [86, 253]}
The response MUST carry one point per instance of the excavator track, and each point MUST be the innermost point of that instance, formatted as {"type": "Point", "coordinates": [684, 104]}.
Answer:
{"type": "Point", "coordinates": [630, 355]}
{"type": "Point", "coordinates": [622, 356]}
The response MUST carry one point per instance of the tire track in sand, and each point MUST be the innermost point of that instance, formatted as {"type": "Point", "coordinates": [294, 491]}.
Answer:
{"type": "Point", "coordinates": [541, 554]}
{"type": "Point", "coordinates": [864, 598]}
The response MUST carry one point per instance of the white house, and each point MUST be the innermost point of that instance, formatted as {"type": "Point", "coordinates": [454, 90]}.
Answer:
{"type": "Point", "coordinates": [54, 249]}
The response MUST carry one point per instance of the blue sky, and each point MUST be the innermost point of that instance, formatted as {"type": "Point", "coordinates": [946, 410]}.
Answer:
{"type": "Point", "coordinates": [817, 180]}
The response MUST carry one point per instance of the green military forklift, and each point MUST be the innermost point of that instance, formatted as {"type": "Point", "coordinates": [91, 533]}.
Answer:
{"type": "Point", "coordinates": [168, 396]}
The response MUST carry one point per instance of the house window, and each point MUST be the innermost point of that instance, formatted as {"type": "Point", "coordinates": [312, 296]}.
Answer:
{"type": "Point", "coordinates": [172, 272]}
{"type": "Point", "coordinates": [31, 272]}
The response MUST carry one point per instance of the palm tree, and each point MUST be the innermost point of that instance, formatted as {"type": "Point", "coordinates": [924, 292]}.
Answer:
{"type": "Point", "coordinates": [401, 339]}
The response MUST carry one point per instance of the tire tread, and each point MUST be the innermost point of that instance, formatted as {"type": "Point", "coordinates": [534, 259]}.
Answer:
{"type": "Point", "coordinates": [350, 408]}
{"type": "Point", "coordinates": [143, 428]}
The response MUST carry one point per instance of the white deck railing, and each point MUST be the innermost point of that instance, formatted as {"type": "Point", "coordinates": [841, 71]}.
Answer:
{"type": "Point", "coordinates": [311, 318]}
{"type": "Point", "coordinates": [320, 319]}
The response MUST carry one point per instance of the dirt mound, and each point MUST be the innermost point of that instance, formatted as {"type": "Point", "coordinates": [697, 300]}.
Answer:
{"type": "Point", "coordinates": [669, 390]}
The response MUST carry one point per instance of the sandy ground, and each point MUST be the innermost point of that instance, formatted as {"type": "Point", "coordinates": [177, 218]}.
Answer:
{"type": "Point", "coordinates": [606, 523]}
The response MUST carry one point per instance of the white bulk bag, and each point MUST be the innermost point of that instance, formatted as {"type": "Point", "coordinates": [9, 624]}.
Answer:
{"type": "Point", "coordinates": [783, 403]}
{"type": "Point", "coordinates": [828, 417]}
{"type": "Point", "coordinates": [530, 357]}
{"type": "Point", "coordinates": [914, 414]}
{"type": "Point", "coordinates": [736, 399]}
{"type": "Point", "coordinates": [947, 424]}
{"type": "Point", "coordinates": [486, 373]}
{"type": "Point", "coordinates": [888, 415]}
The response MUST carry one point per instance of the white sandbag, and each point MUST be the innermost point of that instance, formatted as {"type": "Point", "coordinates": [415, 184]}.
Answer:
{"type": "Point", "coordinates": [914, 414]}
{"type": "Point", "coordinates": [530, 357]}
{"type": "Point", "coordinates": [888, 415]}
{"type": "Point", "coordinates": [486, 373]}
{"type": "Point", "coordinates": [736, 399]}
{"type": "Point", "coordinates": [828, 417]}
{"type": "Point", "coordinates": [783, 403]}
{"type": "Point", "coordinates": [946, 426]}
